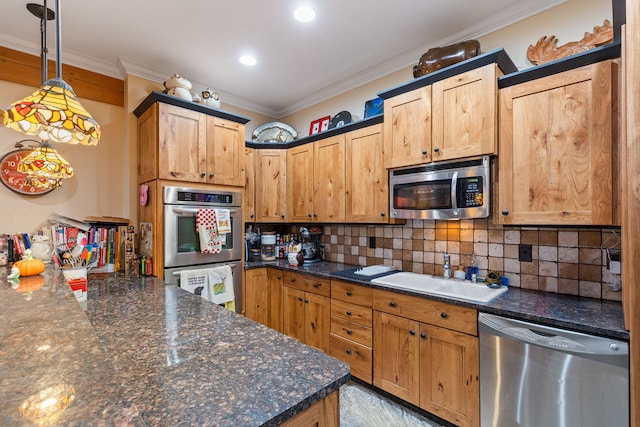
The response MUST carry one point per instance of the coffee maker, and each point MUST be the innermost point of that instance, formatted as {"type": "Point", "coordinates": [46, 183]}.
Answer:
{"type": "Point", "coordinates": [311, 244]}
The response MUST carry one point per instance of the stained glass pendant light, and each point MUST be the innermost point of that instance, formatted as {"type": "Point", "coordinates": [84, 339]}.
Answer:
{"type": "Point", "coordinates": [45, 166]}
{"type": "Point", "coordinates": [53, 112]}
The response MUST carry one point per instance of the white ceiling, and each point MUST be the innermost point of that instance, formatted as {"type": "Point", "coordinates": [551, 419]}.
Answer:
{"type": "Point", "coordinates": [351, 42]}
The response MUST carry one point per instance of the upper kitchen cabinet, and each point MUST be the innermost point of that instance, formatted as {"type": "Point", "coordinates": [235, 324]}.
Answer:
{"type": "Point", "coordinates": [367, 181]}
{"type": "Point", "coordinates": [557, 162]}
{"type": "Point", "coordinates": [249, 197]}
{"type": "Point", "coordinates": [271, 185]}
{"type": "Point", "coordinates": [407, 135]}
{"type": "Point", "coordinates": [448, 114]}
{"type": "Point", "coordinates": [300, 183]}
{"type": "Point", "coordinates": [184, 141]}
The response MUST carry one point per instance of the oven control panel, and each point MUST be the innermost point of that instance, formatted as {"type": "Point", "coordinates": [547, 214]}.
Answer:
{"type": "Point", "coordinates": [189, 196]}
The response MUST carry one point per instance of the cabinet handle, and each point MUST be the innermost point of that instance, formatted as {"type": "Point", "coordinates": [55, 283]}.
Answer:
{"type": "Point", "coordinates": [505, 212]}
{"type": "Point", "coordinates": [203, 174]}
{"type": "Point", "coordinates": [444, 315]}
{"type": "Point", "coordinates": [349, 331]}
{"type": "Point", "coordinates": [299, 298]}
{"type": "Point", "coordinates": [348, 351]}
{"type": "Point", "coordinates": [348, 312]}
{"type": "Point", "coordinates": [173, 174]}
{"type": "Point", "coordinates": [309, 215]}
{"type": "Point", "coordinates": [306, 301]}
{"type": "Point", "coordinates": [211, 175]}
{"type": "Point", "coordinates": [293, 279]}
{"type": "Point", "coordinates": [282, 216]}
{"type": "Point", "coordinates": [251, 216]}
{"type": "Point", "coordinates": [436, 149]}
{"type": "Point", "coordinates": [424, 152]}
{"type": "Point", "coordinates": [412, 332]}
{"type": "Point", "coordinates": [348, 293]}
{"type": "Point", "coordinates": [392, 303]}
{"type": "Point", "coordinates": [316, 285]}
{"type": "Point", "coordinates": [315, 215]}
{"type": "Point", "coordinates": [279, 277]}
{"type": "Point", "coordinates": [382, 214]}
{"type": "Point", "coordinates": [423, 335]}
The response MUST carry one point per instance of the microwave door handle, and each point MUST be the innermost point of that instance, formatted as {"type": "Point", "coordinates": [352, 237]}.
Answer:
{"type": "Point", "coordinates": [454, 192]}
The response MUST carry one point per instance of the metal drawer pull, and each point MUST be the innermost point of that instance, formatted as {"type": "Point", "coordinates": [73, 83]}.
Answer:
{"type": "Point", "coordinates": [299, 298]}
{"type": "Point", "coordinates": [348, 312]}
{"type": "Point", "coordinates": [293, 279]}
{"type": "Point", "coordinates": [306, 301]}
{"type": "Point", "coordinates": [349, 331]}
{"type": "Point", "coordinates": [316, 285]}
{"type": "Point", "coordinates": [392, 303]}
{"type": "Point", "coordinates": [412, 332]}
{"type": "Point", "coordinates": [423, 335]}
{"type": "Point", "coordinates": [349, 293]}
{"type": "Point", "coordinates": [444, 315]}
{"type": "Point", "coordinates": [348, 351]}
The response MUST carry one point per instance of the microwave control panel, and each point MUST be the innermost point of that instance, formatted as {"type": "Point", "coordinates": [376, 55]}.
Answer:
{"type": "Point", "coordinates": [470, 194]}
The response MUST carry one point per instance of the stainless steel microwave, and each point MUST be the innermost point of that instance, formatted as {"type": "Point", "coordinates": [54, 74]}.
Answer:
{"type": "Point", "coordinates": [442, 190]}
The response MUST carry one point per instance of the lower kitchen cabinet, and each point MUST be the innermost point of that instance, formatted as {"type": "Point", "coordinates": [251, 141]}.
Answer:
{"type": "Point", "coordinates": [256, 304]}
{"type": "Point", "coordinates": [352, 328]}
{"type": "Point", "coordinates": [427, 353]}
{"type": "Point", "coordinates": [306, 309]}
{"type": "Point", "coordinates": [275, 298]}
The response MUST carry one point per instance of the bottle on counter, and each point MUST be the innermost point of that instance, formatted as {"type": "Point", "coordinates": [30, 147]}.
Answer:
{"type": "Point", "coordinates": [472, 269]}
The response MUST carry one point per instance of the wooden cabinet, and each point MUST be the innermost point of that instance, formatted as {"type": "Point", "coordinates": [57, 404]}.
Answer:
{"type": "Point", "coordinates": [450, 119]}
{"type": "Point", "coordinates": [407, 131]}
{"type": "Point", "coordinates": [176, 143]}
{"type": "Point", "coordinates": [427, 353]}
{"type": "Point", "coordinates": [325, 413]}
{"type": "Point", "coordinates": [263, 300]}
{"type": "Point", "coordinates": [256, 303]}
{"type": "Point", "coordinates": [271, 185]}
{"type": "Point", "coordinates": [306, 309]}
{"type": "Point", "coordinates": [352, 327]}
{"type": "Point", "coordinates": [315, 183]}
{"type": "Point", "coordinates": [249, 196]}
{"type": "Point", "coordinates": [367, 180]}
{"type": "Point", "coordinates": [557, 162]}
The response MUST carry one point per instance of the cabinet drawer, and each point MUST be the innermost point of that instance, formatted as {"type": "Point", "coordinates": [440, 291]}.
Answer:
{"type": "Point", "coordinates": [352, 331]}
{"type": "Point", "coordinates": [450, 316]}
{"type": "Point", "coordinates": [350, 292]}
{"type": "Point", "coordinates": [308, 283]}
{"type": "Point", "coordinates": [352, 312]}
{"type": "Point", "coordinates": [359, 357]}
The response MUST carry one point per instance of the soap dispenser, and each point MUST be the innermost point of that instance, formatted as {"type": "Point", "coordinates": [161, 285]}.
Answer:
{"type": "Point", "coordinates": [472, 269]}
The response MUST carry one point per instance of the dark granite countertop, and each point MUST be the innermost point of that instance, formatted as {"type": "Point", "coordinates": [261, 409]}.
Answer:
{"type": "Point", "coordinates": [581, 314]}
{"type": "Point", "coordinates": [139, 352]}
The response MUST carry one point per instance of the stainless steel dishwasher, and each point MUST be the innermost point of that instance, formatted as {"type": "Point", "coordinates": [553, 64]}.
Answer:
{"type": "Point", "coordinates": [534, 376]}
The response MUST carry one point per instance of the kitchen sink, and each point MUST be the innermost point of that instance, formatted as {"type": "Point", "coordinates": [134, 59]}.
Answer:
{"type": "Point", "coordinates": [434, 285]}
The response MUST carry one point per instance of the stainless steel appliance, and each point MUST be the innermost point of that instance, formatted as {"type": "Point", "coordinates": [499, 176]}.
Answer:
{"type": "Point", "coordinates": [181, 239]}
{"type": "Point", "coordinates": [442, 190]}
{"type": "Point", "coordinates": [311, 247]}
{"type": "Point", "coordinates": [533, 375]}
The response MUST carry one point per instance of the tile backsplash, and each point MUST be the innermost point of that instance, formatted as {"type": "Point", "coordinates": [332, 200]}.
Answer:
{"type": "Point", "coordinates": [563, 260]}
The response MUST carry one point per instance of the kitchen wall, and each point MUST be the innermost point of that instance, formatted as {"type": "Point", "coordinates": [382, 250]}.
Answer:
{"type": "Point", "coordinates": [564, 260]}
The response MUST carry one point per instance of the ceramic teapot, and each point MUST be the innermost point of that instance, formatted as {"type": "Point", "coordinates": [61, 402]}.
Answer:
{"type": "Point", "coordinates": [211, 98]}
{"type": "Point", "coordinates": [41, 248]}
{"type": "Point", "coordinates": [181, 93]}
{"type": "Point", "coordinates": [177, 81]}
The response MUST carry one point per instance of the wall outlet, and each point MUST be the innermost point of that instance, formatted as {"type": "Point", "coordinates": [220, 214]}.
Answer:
{"type": "Point", "coordinates": [372, 242]}
{"type": "Point", "coordinates": [525, 253]}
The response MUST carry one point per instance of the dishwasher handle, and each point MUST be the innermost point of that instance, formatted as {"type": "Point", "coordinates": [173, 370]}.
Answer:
{"type": "Point", "coordinates": [602, 349]}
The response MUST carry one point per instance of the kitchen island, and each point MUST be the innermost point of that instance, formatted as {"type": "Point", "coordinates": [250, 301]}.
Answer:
{"type": "Point", "coordinates": [139, 352]}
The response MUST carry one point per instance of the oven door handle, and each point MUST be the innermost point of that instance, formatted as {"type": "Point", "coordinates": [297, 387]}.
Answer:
{"type": "Point", "coordinates": [231, 264]}
{"type": "Point", "coordinates": [193, 211]}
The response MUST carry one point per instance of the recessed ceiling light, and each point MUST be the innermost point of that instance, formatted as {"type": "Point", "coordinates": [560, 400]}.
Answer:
{"type": "Point", "coordinates": [304, 14]}
{"type": "Point", "coordinates": [248, 60]}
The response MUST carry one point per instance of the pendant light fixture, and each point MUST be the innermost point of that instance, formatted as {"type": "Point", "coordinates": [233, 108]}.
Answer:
{"type": "Point", "coordinates": [53, 112]}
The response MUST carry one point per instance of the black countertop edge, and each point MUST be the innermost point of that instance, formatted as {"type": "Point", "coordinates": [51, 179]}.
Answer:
{"type": "Point", "coordinates": [154, 97]}
{"type": "Point", "coordinates": [360, 124]}
{"type": "Point", "coordinates": [557, 310]}
{"type": "Point", "coordinates": [498, 56]}
{"type": "Point", "coordinates": [608, 51]}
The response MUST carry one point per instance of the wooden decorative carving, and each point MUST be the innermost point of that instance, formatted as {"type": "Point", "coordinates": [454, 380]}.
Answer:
{"type": "Point", "coordinates": [546, 50]}
{"type": "Point", "coordinates": [441, 57]}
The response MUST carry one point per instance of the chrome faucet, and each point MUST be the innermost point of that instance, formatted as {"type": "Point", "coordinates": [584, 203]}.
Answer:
{"type": "Point", "coordinates": [447, 266]}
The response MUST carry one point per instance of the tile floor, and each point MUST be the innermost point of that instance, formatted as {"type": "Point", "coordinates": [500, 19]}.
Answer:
{"type": "Point", "coordinates": [361, 407]}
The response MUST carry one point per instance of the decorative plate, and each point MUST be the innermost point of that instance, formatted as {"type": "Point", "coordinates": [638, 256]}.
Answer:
{"type": "Point", "coordinates": [274, 132]}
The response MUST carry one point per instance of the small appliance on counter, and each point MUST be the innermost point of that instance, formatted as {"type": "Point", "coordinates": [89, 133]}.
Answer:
{"type": "Point", "coordinates": [311, 247]}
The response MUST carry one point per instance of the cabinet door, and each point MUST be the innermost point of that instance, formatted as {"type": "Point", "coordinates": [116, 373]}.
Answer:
{"type": "Point", "coordinates": [465, 114]}
{"type": "Point", "coordinates": [275, 298]}
{"type": "Point", "coordinates": [293, 312]}
{"type": "Point", "coordinates": [225, 145]}
{"type": "Point", "coordinates": [148, 145]}
{"type": "Point", "coordinates": [249, 197]}
{"type": "Point", "coordinates": [300, 183]}
{"type": "Point", "coordinates": [556, 157]}
{"type": "Point", "coordinates": [367, 183]}
{"type": "Point", "coordinates": [317, 318]}
{"type": "Point", "coordinates": [396, 359]}
{"type": "Point", "coordinates": [449, 375]}
{"type": "Point", "coordinates": [407, 134]}
{"type": "Point", "coordinates": [182, 144]}
{"type": "Point", "coordinates": [257, 295]}
{"type": "Point", "coordinates": [329, 179]}
{"type": "Point", "coordinates": [271, 185]}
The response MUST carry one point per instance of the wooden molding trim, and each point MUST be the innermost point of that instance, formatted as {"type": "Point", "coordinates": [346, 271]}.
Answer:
{"type": "Point", "coordinates": [23, 68]}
